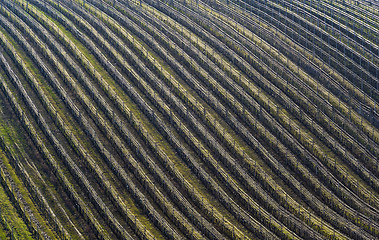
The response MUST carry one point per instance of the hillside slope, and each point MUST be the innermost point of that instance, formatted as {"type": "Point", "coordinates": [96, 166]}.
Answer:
{"type": "Point", "coordinates": [184, 119]}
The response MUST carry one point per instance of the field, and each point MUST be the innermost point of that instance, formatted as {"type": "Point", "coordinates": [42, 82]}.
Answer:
{"type": "Point", "coordinates": [183, 119]}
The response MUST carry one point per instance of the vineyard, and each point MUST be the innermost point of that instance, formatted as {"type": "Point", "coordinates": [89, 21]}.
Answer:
{"type": "Point", "coordinates": [189, 119]}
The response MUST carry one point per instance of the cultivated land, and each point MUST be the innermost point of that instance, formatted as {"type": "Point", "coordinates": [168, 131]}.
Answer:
{"type": "Point", "coordinates": [181, 119]}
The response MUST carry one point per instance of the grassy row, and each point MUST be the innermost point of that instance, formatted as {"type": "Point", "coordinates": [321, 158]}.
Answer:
{"type": "Point", "coordinates": [15, 225]}
{"type": "Point", "coordinates": [20, 147]}
{"type": "Point", "coordinates": [38, 141]}
{"type": "Point", "coordinates": [102, 148]}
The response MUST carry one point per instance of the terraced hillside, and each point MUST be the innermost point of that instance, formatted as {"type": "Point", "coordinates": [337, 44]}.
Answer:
{"type": "Point", "coordinates": [184, 119]}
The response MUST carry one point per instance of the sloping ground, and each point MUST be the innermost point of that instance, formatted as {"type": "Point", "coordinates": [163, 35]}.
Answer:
{"type": "Point", "coordinates": [189, 119]}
